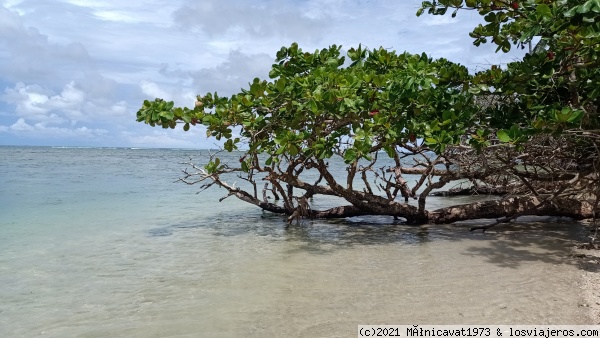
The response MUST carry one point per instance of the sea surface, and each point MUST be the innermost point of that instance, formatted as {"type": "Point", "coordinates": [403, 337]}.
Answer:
{"type": "Point", "coordinates": [101, 242]}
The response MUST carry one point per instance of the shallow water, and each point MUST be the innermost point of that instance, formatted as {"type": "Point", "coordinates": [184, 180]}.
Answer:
{"type": "Point", "coordinates": [99, 242]}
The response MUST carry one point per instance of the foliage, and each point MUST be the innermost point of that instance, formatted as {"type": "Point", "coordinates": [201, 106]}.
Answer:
{"type": "Point", "coordinates": [315, 106]}
{"type": "Point", "coordinates": [552, 88]}
{"type": "Point", "coordinates": [518, 126]}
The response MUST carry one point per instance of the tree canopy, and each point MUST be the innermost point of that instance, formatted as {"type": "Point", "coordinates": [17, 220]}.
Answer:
{"type": "Point", "coordinates": [528, 131]}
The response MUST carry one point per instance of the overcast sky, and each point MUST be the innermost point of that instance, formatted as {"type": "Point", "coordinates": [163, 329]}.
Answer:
{"type": "Point", "coordinates": [74, 72]}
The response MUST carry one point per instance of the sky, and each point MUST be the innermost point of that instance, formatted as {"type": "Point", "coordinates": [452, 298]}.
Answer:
{"type": "Point", "coordinates": [75, 72]}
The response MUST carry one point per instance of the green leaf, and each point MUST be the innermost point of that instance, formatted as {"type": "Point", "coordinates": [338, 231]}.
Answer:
{"type": "Point", "coordinates": [471, 3]}
{"type": "Point", "coordinates": [186, 127]}
{"type": "Point", "coordinates": [389, 150]}
{"type": "Point", "coordinates": [544, 11]}
{"type": "Point", "coordinates": [229, 145]}
{"type": "Point", "coordinates": [596, 6]}
{"type": "Point", "coordinates": [349, 155]}
{"type": "Point", "coordinates": [447, 115]}
{"type": "Point", "coordinates": [572, 12]}
{"type": "Point", "coordinates": [474, 90]}
{"type": "Point", "coordinates": [274, 73]}
{"type": "Point", "coordinates": [575, 116]}
{"type": "Point", "coordinates": [280, 84]}
{"type": "Point", "coordinates": [586, 7]}
{"type": "Point", "coordinates": [167, 115]}
{"type": "Point", "coordinates": [293, 149]}
{"type": "Point", "coordinates": [313, 106]}
{"type": "Point", "coordinates": [503, 136]}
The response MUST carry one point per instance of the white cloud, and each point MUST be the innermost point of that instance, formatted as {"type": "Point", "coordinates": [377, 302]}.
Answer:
{"type": "Point", "coordinates": [119, 108]}
{"type": "Point", "coordinates": [41, 131]}
{"type": "Point", "coordinates": [237, 70]}
{"type": "Point", "coordinates": [28, 100]}
{"type": "Point", "coordinates": [21, 126]}
{"type": "Point", "coordinates": [151, 89]}
{"type": "Point", "coordinates": [181, 96]}
{"type": "Point", "coordinates": [72, 106]}
{"type": "Point", "coordinates": [66, 64]}
{"type": "Point", "coordinates": [9, 20]}
{"type": "Point", "coordinates": [34, 102]}
{"type": "Point", "coordinates": [116, 16]}
{"type": "Point", "coordinates": [249, 18]}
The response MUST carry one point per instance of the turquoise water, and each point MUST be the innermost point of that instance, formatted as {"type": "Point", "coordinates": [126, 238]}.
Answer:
{"type": "Point", "coordinates": [101, 242]}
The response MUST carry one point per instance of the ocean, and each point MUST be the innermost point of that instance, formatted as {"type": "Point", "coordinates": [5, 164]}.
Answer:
{"type": "Point", "coordinates": [98, 242]}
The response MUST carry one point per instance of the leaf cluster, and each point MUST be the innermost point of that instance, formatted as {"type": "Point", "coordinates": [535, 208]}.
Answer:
{"type": "Point", "coordinates": [316, 105]}
{"type": "Point", "coordinates": [552, 88]}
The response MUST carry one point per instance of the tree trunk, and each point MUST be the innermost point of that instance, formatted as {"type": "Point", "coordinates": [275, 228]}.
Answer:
{"type": "Point", "coordinates": [527, 205]}
{"type": "Point", "coordinates": [492, 209]}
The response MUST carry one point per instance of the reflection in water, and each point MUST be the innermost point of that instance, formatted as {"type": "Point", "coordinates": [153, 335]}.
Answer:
{"type": "Point", "coordinates": [344, 232]}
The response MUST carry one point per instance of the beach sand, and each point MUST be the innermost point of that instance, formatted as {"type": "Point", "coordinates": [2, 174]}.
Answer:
{"type": "Point", "coordinates": [589, 264]}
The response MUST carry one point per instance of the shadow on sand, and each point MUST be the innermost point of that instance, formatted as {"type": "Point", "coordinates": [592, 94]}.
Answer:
{"type": "Point", "coordinates": [531, 239]}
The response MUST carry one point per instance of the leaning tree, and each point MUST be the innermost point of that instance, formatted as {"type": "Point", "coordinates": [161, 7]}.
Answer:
{"type": "Point", "coordinates": [527, 132]}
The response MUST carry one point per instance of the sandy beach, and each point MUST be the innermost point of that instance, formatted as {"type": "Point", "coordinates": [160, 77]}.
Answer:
{"type": "Point", "coordinates": [589, 264]}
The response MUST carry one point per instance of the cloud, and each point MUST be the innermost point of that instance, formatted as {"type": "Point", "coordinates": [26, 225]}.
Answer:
{"type": "Point", "coordinates": [182, 96]}
{"type": "Point", "coordinates": [83, 68]}
{"type": "Point", "coordinates": [21, 126]}
{"type": "Point", "coordinates": [29, 56]}
{"type": "Point", "coordinates": [72, 104]}
{"type": "Point", "coordinates": [257, 19]}
{"type": "Point", "coordinates": [51, 80]}
{"type": "Point", "coordinates": [42, 131]}
{"type": "Point", "coordinates": [234, 73]}
{"type": "Point", "coordinates": [151, 89]}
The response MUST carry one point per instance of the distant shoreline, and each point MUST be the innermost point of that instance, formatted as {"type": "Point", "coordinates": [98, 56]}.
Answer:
{"type": "Point", "coordinates": [101, 147]}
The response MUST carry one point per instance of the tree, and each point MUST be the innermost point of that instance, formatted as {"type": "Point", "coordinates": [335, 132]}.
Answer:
{"type": "Point", "coordinates": [528, 132]}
